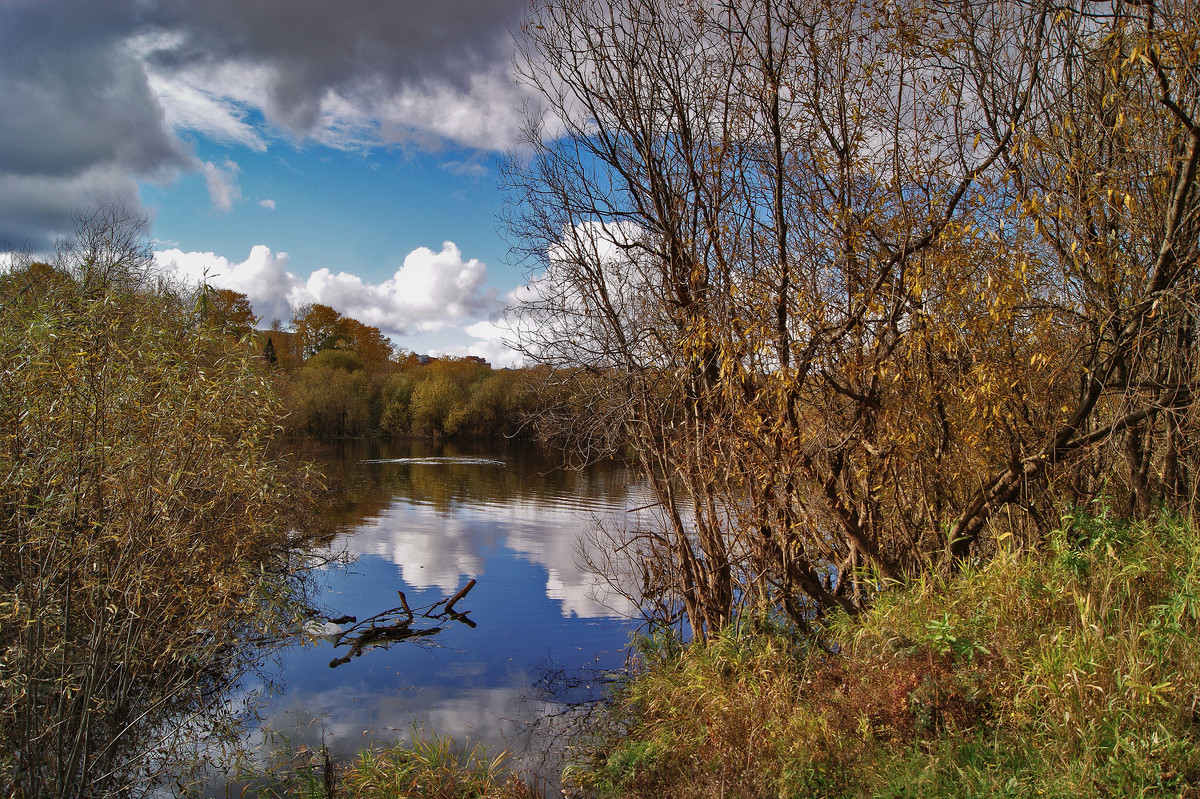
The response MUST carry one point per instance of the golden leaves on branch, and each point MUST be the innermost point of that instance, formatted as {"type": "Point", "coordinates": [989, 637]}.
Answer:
{"type": "Point", "coordinates": [923, 278]}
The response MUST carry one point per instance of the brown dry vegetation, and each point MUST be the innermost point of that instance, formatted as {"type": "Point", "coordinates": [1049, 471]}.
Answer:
{"type": "Point", "coordinates": [869, 289]}
{"type": "Point", "coordinates": [149, 545]}
{"type": "Point", "coordinates": [1072, 672]}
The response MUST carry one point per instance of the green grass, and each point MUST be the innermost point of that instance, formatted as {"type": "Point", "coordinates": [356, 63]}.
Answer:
{"type": "Point", "coordinates": [1071, 672]}
{"type": "Point", "coordinates": [427, 766]}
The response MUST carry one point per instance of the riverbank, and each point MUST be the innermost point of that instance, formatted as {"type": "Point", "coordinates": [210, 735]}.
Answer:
{"type": "Point", "coordinates": [1073, 671]}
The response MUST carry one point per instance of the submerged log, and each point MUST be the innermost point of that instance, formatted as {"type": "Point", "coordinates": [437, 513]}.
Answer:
{"type": "Point", "coordinates": [396, 624]}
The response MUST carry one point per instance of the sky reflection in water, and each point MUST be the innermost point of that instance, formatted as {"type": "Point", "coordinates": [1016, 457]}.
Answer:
{"type": "Point", "coordinates": [424, 520]}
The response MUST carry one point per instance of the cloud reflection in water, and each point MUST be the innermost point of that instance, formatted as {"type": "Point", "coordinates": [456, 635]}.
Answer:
{"type": "Point", "coordinates": [542, 525]}
{"type": "Point", "coordinates": [424, 523]}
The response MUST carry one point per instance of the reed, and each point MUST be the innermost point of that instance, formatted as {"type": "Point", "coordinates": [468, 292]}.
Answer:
{"type": "Point", "coordinates": [426, 765]}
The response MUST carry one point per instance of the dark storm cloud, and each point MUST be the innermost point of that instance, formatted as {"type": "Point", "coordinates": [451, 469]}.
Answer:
{"type": "Point", "coordinates": [364, 46]}
{"type": "Point", "coordinates": [73, 110]}
{"type": "Point", "coordinates": [90, 89]}
{"type": "Point", "coordinates": [77, 118]}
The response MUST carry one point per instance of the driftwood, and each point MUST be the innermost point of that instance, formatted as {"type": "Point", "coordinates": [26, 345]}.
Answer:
{"type": "Point", "coordinates": [396, 624]}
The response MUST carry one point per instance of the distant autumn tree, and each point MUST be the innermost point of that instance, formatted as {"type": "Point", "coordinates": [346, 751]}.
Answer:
{"type": "Point", "coordinates": [228, 310]}
{"type": "Point", "coordinates": [368, 343]}
{"type": "Point", "coordinates": [319, 327]}
{"type": "Point", "coordinates": [337, 392]}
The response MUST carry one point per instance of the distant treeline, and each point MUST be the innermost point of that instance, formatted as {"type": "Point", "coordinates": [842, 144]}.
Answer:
{"type": "Point", "coordinates": [340, 377]}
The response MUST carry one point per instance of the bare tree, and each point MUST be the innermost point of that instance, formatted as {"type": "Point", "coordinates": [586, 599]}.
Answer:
{"type": "Point", "coordinates": [805, 259]}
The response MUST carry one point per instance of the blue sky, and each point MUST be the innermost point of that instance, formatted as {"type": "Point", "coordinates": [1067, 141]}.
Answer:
{"type": "Point", "coordinates": [296, 150]}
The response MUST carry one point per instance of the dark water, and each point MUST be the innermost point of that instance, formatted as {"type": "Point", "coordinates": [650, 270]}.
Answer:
{"type": "Point", "coordinates": [423, 519]}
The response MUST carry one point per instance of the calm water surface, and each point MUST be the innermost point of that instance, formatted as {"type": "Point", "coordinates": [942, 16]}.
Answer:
{"type": "Point", "coordinates": [423, 519]}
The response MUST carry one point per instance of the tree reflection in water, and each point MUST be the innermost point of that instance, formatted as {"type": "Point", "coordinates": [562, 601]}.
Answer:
{"type": "Point", "coordinates": [425, 519]}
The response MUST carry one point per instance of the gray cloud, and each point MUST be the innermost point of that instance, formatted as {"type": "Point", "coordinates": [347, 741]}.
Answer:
{"type": "Point", "coordinates": [37, 209]}
{"type": "Point", "coordinates": [98, 94]}
{"type": "Point", "coordinates": [364, 48]}
{"type": "Point", "coordinates": [80, 122]}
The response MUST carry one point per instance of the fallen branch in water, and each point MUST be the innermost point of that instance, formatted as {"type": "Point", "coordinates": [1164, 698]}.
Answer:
{"type": "Point", "coordinates": [395, 624]}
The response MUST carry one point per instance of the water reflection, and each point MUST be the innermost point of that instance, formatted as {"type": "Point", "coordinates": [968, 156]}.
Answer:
{"type": "Point", "coordinates": [424, 520]}
{"type": "Point", "coordinates": [478, 503]}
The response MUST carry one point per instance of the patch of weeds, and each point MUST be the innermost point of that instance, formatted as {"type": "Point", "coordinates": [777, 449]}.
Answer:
{"type": "Point", "coordinates": [426, 766]}
{"type": "Point", "coordinates": [433, 766]}
{"type": "Point", "coordinates": [942, 637]}
{"type": "Point", "coordinates": [1069, 671]}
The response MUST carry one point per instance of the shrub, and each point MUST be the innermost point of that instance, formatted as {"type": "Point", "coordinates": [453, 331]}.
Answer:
{"type": "Point", "coordinates": [432, 406]}
{"type": "Point", "coordinates": [147, 533]}
{"type": "Point", "coordinates": [397, 394]}
{"type": "Point", "coordinates": [335, 359]}
{"type": "Point", "coordinates": [326, 401]}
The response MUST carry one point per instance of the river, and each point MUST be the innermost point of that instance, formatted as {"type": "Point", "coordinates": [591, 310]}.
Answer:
{"type": "Point", "coordinates": [424, 519]}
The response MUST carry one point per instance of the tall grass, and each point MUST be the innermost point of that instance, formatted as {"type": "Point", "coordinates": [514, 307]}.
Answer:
{"type": "Point", "coordinates": [426, 766]}
{"type": "Point", "coordinates": [431, 766]}
{"type": "Point", "coordinates": [1073, 671]}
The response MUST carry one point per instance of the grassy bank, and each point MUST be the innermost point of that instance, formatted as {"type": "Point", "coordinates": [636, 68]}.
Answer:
{"type": "Point", "coordinates": [1074, 672]}
{"type": "Point", "coordinates": [426, 765]}
{"type": "Point", "coordinates": [1071, 672]}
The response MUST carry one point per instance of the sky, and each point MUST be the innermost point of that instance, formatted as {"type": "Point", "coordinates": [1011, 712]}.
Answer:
{"type": "Point", "coordinates": [331, 151]}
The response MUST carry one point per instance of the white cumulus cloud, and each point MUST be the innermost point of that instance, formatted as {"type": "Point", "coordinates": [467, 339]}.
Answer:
{"type": "Point", "coordinates": [549, 316]}
{"type": "Point", "coordinates": [493, 344]}
{"type": "Point", "coordinates": [430, 291]}
{"type": "Point", "coordinates": [263, 277]}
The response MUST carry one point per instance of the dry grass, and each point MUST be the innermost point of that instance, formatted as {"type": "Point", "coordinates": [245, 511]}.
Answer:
{"type": "Point", "coordinates": [431, 766]}
{"type": "Point", "coordinates": [426, 766]}
{"type": "Point", "coordinates": [1070, 672]}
